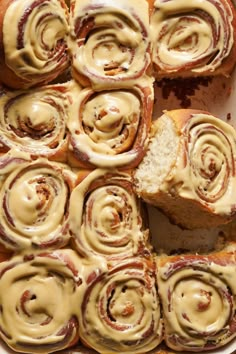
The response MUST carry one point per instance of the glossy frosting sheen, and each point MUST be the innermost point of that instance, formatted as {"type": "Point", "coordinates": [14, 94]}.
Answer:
{"type": "Point", "coordinates": [121, 310]}
{"type": "Point", "coordinates": [104, 216]}
{"type": "Point", "coordinates": [194, 35]}
{"type": "Point", "coordinates": [39, 312]}
{"type": "Point", "coordinates": [205, 167]}
{"type": "Point", "coordinates": [35, 120]}
{"type": "Point", "coordinates": [115, 45]}
{"type": "Point", "coordinates": [32, 31]}
{"type": "Point", "coordinates": [109, 128]}
{"type": "Point", "coordinates": [38, 219]}
{"type": "Point", "coordinates": [199, 289]}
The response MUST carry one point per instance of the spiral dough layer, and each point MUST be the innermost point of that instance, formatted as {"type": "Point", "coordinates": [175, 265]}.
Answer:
{"type": "Point", "coordinates": [34, 201]}
{"type": "Point", "coordinates": [34, 41]}
{"type": "Point", "coordinates": [120, 310]}
{"type": "Point", "coordinates": [105, 217]}
{"type": "Point", "coordinates": [109, 41]}
{"type": "Point", "coordinates": [36, 312]}
{"type": "Point", "coordinates": [198, 297]}
{"type": "Point", "coordinates": [35, 122]}
{"type": "Point", "coordinates": [194, 37]}
{"type": "Point", "coordinates": [110, 128]}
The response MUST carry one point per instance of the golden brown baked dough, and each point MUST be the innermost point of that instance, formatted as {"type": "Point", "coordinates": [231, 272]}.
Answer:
{"type": "Point", "coordinates": [189, 169]}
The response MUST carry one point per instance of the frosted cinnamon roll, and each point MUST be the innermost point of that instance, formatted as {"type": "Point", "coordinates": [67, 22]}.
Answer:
{"type": "Point", "coordinates": [198, 297]}
{"type": "Point", "coordinates": [193, 38]}
{"type": "Point", "coordinates": [32, 41]}
{"type": "Point", "coordinates": [120, 312]}
{"type": "Point", "coordinates": [37, 292]}
{"type": "Point", "coordinates": [189, 169]}
{"type": "Point", "coordinates": [34, 199]}
{"type": "Point", "coordinates": [109, 42]}
{"type": "Point", "coordinates": [34, 121]}
{"type": "Point", "coordinates": [106, 218]}
{"type": "Point", "coordinates": [110, 128]}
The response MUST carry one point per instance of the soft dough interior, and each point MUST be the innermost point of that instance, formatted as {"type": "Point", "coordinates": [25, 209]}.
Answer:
{"type": "Point", "coordinates": [160, 157]}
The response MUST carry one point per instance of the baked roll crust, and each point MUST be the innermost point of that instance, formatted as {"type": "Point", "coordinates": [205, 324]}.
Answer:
{"type": "Point", "coordinates": [33, 48]}
{"type": "Point", "coordinates": [194, 38]}
{"type": "Point", "coordinates": [189, 169]}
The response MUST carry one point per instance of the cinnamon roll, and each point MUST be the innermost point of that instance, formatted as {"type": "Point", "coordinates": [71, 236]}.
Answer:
{"type": "Point", "coordinates": [34, 121]}
{"type": "Point", "coordinates": [105, 217]}
{"type": "Point", "coordinates": [120, 312]}
{"type": "Point", "coordinates": [193, 38]}
{"type": "Point", "coordinates": [33, 289]}
{"type": "Point", "coordinates": [110, 128]}
{"type": "Point", "coordinates": [189, 169]}
{"type": "Point", "coordinates": [109, 42]}
{"type": "Point", "coordinates": [198, 296]}
{"type": "Point", "coordinates": [33, 46]}
{"type": "Point", "coordinates": [34, 199]}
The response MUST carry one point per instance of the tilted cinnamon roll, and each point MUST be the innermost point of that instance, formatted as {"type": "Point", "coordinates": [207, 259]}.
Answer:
{"type": "Point", "coordinates": [36, 296]}
{"type": "Point", "coordinates": [120, 312]}
{"type": "Point", "coordinates": [189, 169]}
{"type": "Point", "coordinates": [198, 295]}
{"type": "Point", "coordinates": [193, 38]}
{"type": "Point", "coordinates": [106, 218]}
{"type": "Point", "coordinates": [109, 41]}
{"type": "Point", "coordinates": [110, 128]}
{"type": "Point", "coordinates": [33, 45]}
{"type": "Point", "coordinates": [34, 199]}
{"type": "Point", "coordinates": [34, 121]}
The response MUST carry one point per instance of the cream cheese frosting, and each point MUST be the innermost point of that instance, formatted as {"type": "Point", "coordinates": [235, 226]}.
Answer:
{"type": "Point", "coordinates": [34, 38]}
{"type": "Point", "coordinates": [38, 311]}
{"type": "Point", "coordinates": [39, 217]}
{"type": "Point", "coordinates": [105, 217]}
{"type": "Point", "coordinates": [198, 294]}
{"type": "Point", "coordinates": [35, 120]}
{"type": "Point", "coordinates": [195, 36]}
{"type": "Point", "coordinates": [205, 167]}
{"type": "Point", "coordinates": [109, 41]}
{"type": "Point", "coordinates": [109, 128]}
{"type": "Point", "coordinates": [121, 310]}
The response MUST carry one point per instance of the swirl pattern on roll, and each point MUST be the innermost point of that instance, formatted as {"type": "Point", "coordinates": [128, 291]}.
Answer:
{"type": "Point", "coordinates": [34, 40]}
{"type": "Point", "coordinates": [120, 312]}
{"type": "Point", "coordinates": [34, 199]}
{"type": "Point", "coordinates": [193, 36]}
{"type": "Point", "coordinates": [35, 122]}
{"type": "Point", "coordinates": [198, 297]}
{"type": "Point", "coordinates": [211, 154]}
{"type": "Point", "coordinates": [38, 285]}
{"type": "Point", "coordinates": [110, 128]}
{"type": "Point", "coordinates": [109, 41]}
{"type": "Point", "coordinates": [105, 217]}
